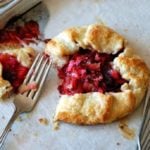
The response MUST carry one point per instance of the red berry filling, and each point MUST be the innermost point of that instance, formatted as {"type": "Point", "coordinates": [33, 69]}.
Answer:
{"type": "Point", "coordinates": [20, 34]}
{"type": "Point", "coordinates": [89, 71]}
{"type": "Point", "coordinates": [13, 71]}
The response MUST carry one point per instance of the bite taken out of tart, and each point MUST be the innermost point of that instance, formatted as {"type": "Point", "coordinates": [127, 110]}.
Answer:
{"type": "Point", "coordinates": [101, 80]}
{"type": "Point", "coordinates": [16, 56]}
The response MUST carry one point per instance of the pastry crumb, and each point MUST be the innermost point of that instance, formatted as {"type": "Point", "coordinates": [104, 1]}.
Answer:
{"type": "Point", "coordinates": [118, 143]}
{"type": "Point", "coordinates": [55, 125]}
{"type": "Point", "coordinates": [44, 121]}
{"type": "Point", "coordinates": [128, 133]}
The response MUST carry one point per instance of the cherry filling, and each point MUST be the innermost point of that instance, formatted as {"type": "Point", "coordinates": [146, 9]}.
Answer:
{"type": "Point", "coordinates": [89, 71]}
{"type": "Point", "coordinates": [13, 71]}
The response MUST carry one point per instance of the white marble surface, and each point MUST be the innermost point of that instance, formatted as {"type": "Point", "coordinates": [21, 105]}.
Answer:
{"type": "Point", "coordinates": [131, 19]}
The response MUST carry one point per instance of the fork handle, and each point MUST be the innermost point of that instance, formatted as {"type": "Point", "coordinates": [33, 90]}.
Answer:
{"type": "Point", "coordinates": [8, 127]}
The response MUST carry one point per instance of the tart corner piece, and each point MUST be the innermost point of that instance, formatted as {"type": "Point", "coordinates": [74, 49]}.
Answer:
{"type": "Point", "coordinates": [16, 55]}
{"type": "Point", "coordinates": [125, 73]}
{"type": "Point", "coordinates": [14, 65]}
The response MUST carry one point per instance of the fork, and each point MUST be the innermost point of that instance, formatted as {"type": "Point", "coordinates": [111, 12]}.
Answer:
{"type": "Point", "coordinates": [25, 102]}
{"type": "Point", "coordinates": [144, 134]}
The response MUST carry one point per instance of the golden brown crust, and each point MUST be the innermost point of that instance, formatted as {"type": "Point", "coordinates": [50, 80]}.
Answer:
{"type": "Point", "coordinates": [96, 37]}
{"type": "Point", "coordinates": [84, 108]}
{"type": "Point", "coordinates": [94, 108]}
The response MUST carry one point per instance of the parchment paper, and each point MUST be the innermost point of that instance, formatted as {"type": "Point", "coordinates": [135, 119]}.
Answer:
{"type": "Point", "coordinates": [128, 17]}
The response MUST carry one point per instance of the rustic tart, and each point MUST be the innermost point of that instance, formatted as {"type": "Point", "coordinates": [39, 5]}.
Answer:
{"type": "Point", "coordinates": [101, 80]}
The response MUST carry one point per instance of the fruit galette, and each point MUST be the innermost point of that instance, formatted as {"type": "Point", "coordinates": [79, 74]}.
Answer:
{"type": "Point", "coordinates": [100, 79]}
{"type": "Point", "coordinates": [16, 56]}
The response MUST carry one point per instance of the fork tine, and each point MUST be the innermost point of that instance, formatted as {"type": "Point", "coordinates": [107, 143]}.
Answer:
{"type": "Point", "coordinates": [38, 65]}
{"type": "Point", "coordinates": [38, 76]}
{"type": "Point", "coordinates": [31, 69]}
{"type": "Point", "coordinates": [41, 71]}
{"type": "Point", "coordinates": [45, 73]}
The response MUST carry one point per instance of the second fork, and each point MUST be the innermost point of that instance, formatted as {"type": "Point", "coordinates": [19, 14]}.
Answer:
{"type": "Point", "coordinates": [26, 101]}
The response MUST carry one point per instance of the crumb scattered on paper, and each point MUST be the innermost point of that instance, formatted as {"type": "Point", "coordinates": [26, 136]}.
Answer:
{"type": "Point", "coordinates": [128, 133]}
{"type": "Point", "coordinates": [55, 125]}
{"type": "Point", "coordinates": [44, 121]}
{"type": "Point", "coordinates": [118, 143]}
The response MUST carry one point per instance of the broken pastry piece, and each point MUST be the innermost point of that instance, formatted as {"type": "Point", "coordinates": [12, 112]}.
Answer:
{"type": "Point", "coordinates": [16, 56]}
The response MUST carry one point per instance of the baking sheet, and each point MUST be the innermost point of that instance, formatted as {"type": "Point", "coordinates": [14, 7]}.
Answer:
{"type": "Point", "coordinates": [13, 9]}
{"type": "Point", "coordinates": [131, 19]}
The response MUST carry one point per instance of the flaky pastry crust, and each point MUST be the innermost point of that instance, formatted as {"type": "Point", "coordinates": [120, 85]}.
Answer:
{"type": "Point", "coordinates": [94, 108]}
{"type": "Point", "coordinates": [24, 55]}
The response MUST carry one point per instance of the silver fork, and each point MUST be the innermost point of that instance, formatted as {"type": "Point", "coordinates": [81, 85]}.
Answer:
{"type": "Point", "coordinates": [25, 102]}
{"type": "Point", "coordinates": [144, 134]}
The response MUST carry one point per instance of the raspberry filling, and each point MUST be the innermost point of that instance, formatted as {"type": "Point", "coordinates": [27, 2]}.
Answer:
{"type": "Point", "coordinates": [89, 71]}
{"type": "Point", "coordinates": [13, 71]}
